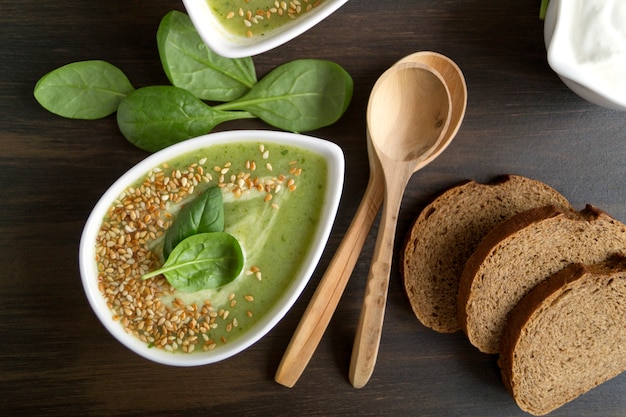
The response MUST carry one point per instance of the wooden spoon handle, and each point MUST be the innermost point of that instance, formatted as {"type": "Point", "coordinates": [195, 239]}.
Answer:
{"type": "Point", "coordinates": [369, 328]}
{"type": "Point", "coordinates": [326, 297]}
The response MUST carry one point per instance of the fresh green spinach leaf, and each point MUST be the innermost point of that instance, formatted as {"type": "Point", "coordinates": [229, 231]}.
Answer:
{"type": "Point", "coordinates": [155, 117]}
{"type": "Point", "coordinates": [298, 96]}
{"type": "Point", "coordinates": [192, 65]}
{"type": "Point", "coordinates": [202, 215]}
{"type": "Point", "coordinates": [543, 8]}
{"type": "Point", "coordinates": [202, 261]}
{"type": "Point", "coordinates": [83, 90]}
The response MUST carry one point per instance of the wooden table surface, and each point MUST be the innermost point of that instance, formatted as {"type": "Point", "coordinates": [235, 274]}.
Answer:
{"type": "Point", "coordinates": [57, 359]}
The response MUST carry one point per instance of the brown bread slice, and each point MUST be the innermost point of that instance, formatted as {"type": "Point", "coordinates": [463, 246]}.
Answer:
{"type": "Point", "coordinates": [448, 230]}
{"type": "Point", "coordinates": [566, 336]}
{"type": "Point", "coordinates": [521, 252]}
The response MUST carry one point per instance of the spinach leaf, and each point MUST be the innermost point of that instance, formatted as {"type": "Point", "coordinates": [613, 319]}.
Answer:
{"type": "Point", "coordinates": [190, 64]}
{"type": "Point", "coordinates": [83, 90]}
{"type": "Point", "coordinates": [203, 215]}
{"type": "Point", "coordinates": [202, 261]}
{"type": "Point", "coordinates": [543, 8]}
{"type": "Point", "coordinates": [301, 95]}
{"type": "Point", "coordinates": [155, 117]}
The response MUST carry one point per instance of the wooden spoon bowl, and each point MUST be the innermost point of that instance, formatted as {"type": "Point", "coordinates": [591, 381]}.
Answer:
{"type": "Point", "coordinates": [453, 76]}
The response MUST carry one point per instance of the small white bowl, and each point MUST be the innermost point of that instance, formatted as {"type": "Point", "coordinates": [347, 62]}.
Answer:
{"type": "Point", "coordinates": [232, 46]}
{"type": "Point", "coordinates": [558, 27]}
{"type": "Point", "coordinates": [329, 151]}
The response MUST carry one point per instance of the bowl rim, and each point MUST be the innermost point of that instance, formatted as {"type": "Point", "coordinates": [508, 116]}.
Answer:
{"type": "Point", "coordinates": [331, 152]}
{"type": "Point", "coordinates": [231, 46]}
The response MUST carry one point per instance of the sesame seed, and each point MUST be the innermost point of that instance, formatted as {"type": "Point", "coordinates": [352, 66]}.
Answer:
{"type": "Point", "coordinates": [142, 214]}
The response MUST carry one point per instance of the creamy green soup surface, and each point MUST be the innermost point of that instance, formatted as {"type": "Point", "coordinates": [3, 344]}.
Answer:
{"type": "Point", "coordinates": [249, 18]}
{"type": "Point", "coordinates": [273, 198]}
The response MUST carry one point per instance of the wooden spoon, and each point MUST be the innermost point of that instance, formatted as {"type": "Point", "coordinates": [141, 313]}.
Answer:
{"type": "Point", "coordinates": [322, 305]}
{"type": "Point", "coordinates": [408, 113]}
{"type": "Point", "coordinates": [318, 313]}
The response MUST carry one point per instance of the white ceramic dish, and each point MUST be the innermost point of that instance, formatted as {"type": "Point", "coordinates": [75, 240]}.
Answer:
{"type": "Point", "coordinates": [591, 86]}
{"type": "Point", "coordinates": [89, 273]}
{"type": "Point", "coordinates": [232, 46]}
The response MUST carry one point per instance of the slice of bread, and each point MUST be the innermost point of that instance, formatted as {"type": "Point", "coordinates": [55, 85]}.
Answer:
{"type": "Point", "coordinates": [448, 230]}
{"type": "Point", "coordinates": [521, 252]}
{"type": "Point", "coordinates": [566, 336]}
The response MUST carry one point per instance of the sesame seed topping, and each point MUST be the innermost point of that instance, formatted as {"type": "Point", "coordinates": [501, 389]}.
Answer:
{"type": "Point", "coordinates": [249, 16]}
{"type": "Point", "coordinates": [124, 252]}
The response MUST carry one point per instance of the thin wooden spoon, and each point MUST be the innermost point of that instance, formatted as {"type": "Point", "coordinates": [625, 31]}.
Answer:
{"type": "Point", "coordinates": [322, 305]}
{"type": "Point", "coordinates": [408, 112]}
{"type": "Point", "coordinates": [318, 313]}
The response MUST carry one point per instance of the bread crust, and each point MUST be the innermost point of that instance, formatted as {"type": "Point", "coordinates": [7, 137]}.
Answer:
{"type": "Point", "coordinates": [485, 247]}
{"type": "Point", "coordinates": [483, 327]}
{"type": "Point", "coordinates": [541, 298]}
{"type": "Point", "coordinates": [446, 232]}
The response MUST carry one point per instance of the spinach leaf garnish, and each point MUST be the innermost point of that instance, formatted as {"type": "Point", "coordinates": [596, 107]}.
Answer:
{"type": "Point", "coordinates": [301, 95]}
{"type": "Point", "coordinates": [543, 8]}
{"type": "Point", "coordinates": [298, 96]}
{"type": "Point", "coordinates": [190, 64]}
{"type": "Point", "coordinates": [204, 214]}
{"type": "Point", "coordinates": [83, 90]}
{"type": "Point", "coordinates": [155, 117]}
{"type": "Point", "coordinates": [202, 261]}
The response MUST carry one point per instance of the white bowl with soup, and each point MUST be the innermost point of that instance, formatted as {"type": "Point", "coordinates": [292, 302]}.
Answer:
{"type": "Point", "coordinates": [240, 28]}
{"type": "Point", "coordinates": [280, 195]}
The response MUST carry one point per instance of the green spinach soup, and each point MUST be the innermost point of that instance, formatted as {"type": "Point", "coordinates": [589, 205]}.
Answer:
{"type": "Point", "coordinates": [273, 196]}
{"type": "Point", "coordinates": [257, 17]}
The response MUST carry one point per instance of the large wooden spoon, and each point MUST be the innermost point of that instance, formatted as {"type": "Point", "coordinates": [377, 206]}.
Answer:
{"type": "Point", "coordinates": [317, 316]}
{"type": "Point", "coordinates": [320, 310]}
{"type": "Point", "coordinates": [408, 113]}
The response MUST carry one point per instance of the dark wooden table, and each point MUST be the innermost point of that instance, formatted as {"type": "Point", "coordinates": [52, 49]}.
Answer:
{"type": "Point", "coordinates": [57, 359]}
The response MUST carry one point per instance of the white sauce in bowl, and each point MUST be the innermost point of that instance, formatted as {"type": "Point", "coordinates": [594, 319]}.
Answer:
{"type": "Point", "coordinates": [598, 36]}
{"type": "Point", "coordinates": [586, 42]}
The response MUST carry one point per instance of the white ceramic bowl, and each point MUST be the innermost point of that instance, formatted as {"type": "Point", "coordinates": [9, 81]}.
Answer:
{"type": "Point", "coordinates": [591, 86]}
{"type": "Point", "coordinates": [232, 46]}
{"type": "Point", "coordinates": [88, 268]}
